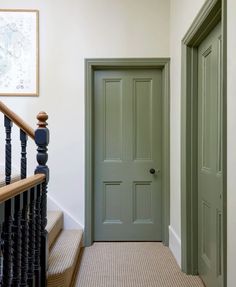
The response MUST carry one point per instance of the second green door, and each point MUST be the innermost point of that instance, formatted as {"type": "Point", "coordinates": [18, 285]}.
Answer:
{"type": "Point", "coordinates": [127, 155]}
{"type": "Point", "coordinates": [210, 160]}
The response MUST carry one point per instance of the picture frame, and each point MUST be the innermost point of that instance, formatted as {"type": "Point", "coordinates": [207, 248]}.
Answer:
{"type": "Point", "coordinates": [19, 52]}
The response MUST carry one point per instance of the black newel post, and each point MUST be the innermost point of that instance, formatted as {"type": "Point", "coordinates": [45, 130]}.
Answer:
{"type": "Point", "coordinates": [42, 140]}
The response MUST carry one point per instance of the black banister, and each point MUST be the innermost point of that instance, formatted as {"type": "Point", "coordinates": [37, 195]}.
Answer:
{"type": "Point", "coordinates": [23, 209]}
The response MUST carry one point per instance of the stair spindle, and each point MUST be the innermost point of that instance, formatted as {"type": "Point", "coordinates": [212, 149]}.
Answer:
{"type": "Point", "coordinates": [24, 215]}
{"type": "Point", "coordinates": [25, 239]}
{"type": "Point", "coordinates": [23, 139]}
{"type": "Point", "coordinates": [32, 231]}
{"type": "Point", "coordinates": [17, 240]}
{"type": "Point", "coordinates": [7, 246]}
{"type": "Point", "coordinates": [37, 263]}
{"type": "Point", "coordinates": [8, 127]}
{"type": "Point", "coordinates": [1, 241]}
{"type": "Point", "coordinates": [7, 225]}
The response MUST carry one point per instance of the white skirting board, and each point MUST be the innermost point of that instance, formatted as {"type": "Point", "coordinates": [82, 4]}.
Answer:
{"type": "Point", "coordinates": [175, 245]}
{"type": "Point", "coordinates": [69, 221]}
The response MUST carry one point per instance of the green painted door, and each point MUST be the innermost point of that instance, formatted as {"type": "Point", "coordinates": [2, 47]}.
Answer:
{"type": "Point", "coordinates": [128, 144]}
{"type": "Point", "coordinates": [210, 160]}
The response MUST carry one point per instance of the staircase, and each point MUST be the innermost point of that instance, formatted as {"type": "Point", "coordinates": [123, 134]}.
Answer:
{"type": "Point", "coordinates": [64, 250]}
{"type": "Point", "coordinates": [27, 229]}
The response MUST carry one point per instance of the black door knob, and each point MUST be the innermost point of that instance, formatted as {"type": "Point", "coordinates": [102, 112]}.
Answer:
{"type": "Point", "coordinates": [152, 171]}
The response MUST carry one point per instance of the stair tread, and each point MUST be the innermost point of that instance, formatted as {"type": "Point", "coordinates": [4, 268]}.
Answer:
{"type": "Point", "coordinates": [54, 225]}
{"type": "Point", "coordinates": [63, 257]}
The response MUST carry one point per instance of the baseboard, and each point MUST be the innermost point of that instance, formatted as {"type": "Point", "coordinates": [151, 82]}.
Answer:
{"type": "Point", "coordinates": [69, 221]}
{"type": "Point", "coordinates": [175, 245]}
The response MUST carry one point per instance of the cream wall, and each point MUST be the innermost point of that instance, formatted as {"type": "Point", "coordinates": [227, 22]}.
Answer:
{"type": "Point", "coordinates": [71, 31]}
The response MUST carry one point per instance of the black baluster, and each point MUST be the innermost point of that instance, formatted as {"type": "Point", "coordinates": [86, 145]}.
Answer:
{"type": "Point", "coordinates": [37, 264]}
{"type": "Point", "coordinates": [17, 241]}
{"type": "Point", "coordinates": [17, 230]}
{"type": "Point", "coordinates": [32, 229]}
{"type": "Point", "coordinates": [24, 215]}
{"type": "Point", "coordinates": [23, 139]}
{"type": "Point", "coordinates": [7, 245]}
{"type": "Point", "coordinates": [7, 225]}
{"type": "Point", "coordinates": [42, 141]}
{"type": "Point", "coordinates": [25, 238]}
{"type": "Point", "coordinates": [1, 242]}
{"type": "Point", "coordinates": [8, 127]}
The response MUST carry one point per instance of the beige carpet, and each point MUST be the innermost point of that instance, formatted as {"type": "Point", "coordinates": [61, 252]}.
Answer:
{"type": "Point", "coordinates": [131, 264]}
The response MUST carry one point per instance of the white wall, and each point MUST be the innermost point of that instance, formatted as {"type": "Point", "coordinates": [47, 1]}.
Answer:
{"type": "Point", "coordinates": [71, 31]}
{"type": "Point", "coordinates": [231, 145]}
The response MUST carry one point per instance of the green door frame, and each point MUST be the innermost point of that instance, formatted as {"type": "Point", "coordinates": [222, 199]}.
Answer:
{"type": "Point", "coordinates": [91, 65]}
{"type": "Point", "coordinates": [211, 13]}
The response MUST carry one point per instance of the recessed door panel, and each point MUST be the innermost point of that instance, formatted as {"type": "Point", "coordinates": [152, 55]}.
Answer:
{"type": "Point", "coordinates": [142, 199]}
{"type": "Point", "coordinates": [219, 105]}
{"type": "Point", "coordinates": [143, 119]}
{"type": "Point", "coordinates": [113, 119]}
{"type": "Point", "coordinates": [206, 224]}
{"type": "Point", "coordinates": [112, 202]}
{"type": "Point", "coordinates": [206, 107]}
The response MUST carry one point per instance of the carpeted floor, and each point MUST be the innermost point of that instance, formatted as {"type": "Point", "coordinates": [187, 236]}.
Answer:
{"type": "Point", "coordinates": [131, 264]}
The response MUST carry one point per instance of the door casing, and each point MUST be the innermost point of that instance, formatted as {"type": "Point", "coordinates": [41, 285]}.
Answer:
{"type": "Point", "coordinates": [91, 65]}
{"type": "Point", "coordinates": [209, 16]}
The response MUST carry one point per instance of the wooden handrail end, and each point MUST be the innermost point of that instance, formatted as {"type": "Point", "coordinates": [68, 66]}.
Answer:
{"type": "Point", "coordinates": [17, 120]}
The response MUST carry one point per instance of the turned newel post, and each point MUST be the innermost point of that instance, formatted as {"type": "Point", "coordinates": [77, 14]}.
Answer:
{"type": "Point", "coordinates": [42, 141]}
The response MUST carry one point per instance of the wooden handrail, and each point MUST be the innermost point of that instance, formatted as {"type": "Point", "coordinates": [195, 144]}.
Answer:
{"type": "Point", "coordinates": [16, 188]}
{"type": "Point", "coordinates": [17, 120]}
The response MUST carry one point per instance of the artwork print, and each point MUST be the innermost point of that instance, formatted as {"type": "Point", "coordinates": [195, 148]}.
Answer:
{"type": "Point", "coordinates": [18, 52]}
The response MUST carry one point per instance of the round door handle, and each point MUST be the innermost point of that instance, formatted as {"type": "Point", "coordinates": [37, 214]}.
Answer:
{"type": "Point", "coordinates": [152, 171]}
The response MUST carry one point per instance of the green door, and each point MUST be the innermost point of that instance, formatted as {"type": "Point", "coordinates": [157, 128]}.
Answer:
{"type": "Point", "coordinates": [210, 160]}
{"type": "Point", "coordinates": [127, 151]}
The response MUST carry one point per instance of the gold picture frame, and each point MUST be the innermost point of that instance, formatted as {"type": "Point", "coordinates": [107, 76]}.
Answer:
{"type": "Point", "coordinates": [19, 52]}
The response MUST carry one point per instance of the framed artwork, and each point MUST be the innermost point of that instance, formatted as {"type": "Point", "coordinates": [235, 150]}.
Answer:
{"type": "Point", "coordinates": [19, 52]}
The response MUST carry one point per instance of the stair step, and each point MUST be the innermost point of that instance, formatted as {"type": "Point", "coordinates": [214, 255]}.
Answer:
{"type": "Point", "coordinates": [63, 258]}
{"type": "Point", "coordinates": [54, 225]}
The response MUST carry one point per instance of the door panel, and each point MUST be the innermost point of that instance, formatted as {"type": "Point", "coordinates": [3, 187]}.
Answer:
{"type": "Point", "coordinates": [142, 199]}
{"type": "Point", "coordinates": [142, 119]}
{"type": "Point", "coordinates": [112, 202]}
{"type": "Point", "coordinates": [112, 119]}
{"type": "Point", "coordinates": [209, 159]}
{"type": "Point", "coordinates": [128, 143]}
